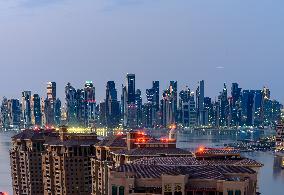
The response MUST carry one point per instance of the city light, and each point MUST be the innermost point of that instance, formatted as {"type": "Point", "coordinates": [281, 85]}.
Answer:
{"type": "Point", "coordinates": [201, 149]}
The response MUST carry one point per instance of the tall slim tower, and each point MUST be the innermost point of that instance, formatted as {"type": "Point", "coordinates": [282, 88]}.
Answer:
{"type": "Point", "coordinates": [26, 109]}
{"type": "Point", "coordinates": [200, 103]}
{"type": "Point", "coordinates": [37, 110]}
{"type": "Point", "coordinates": [130, 87]}
{"type": "Point", "coordinates": [89, 104]}
{"type": "Point", "coordinates": [71, 104]}
{"type": "Point", "coordinates": [112, 112]}
{"type": "Point", "coordinates": [51, 91]}
{"type": "Point", "coordinates": [50, 103]}
{"type": "Point", "coordinates": [130, 108]}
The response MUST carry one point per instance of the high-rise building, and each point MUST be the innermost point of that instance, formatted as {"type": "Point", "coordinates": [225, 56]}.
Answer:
{"type": "Point", "coordinates": [26, 168]}
{"type": "Point", "coordinates": [57, 112]}
{"type": "Point", "coordinates": [224, 107]}
{"type": "Point", "coordinates": [89, 104]}
{"type": "Point", "coordinates": [37, 115]}
{"type": "Point", "coordinates": [151, 107]}
{"type": "Point", "coordinates": [169, 112]}
{"type": "Point", "coordinates": [130, 88]}
{"type": "Point", "coordinates": [184, 106]}
{"type": "Point", "coordinates": [156, 94]}
{"type": "Point", "coordinates": [266, 93]}
{"type": "Point", "coordinates": [201, 112]}
{"type": "Point", "coordinates": [252, 107]}
{"type": "Point", "coordinates": [192, 111]}
{"type": "Point", "coordinates": [47, 162]}
{"type": "Point", "coordinates": [128, 106]}
{"type": "Point", "coordinates": [174, 94]}
{"type": "Point", "coordinates": [66, 165]}
{"type": "Point", "coordinates": [111, 109]}
{"type": "Point", "coordinates": [235, 105]}
{"type": "Point", "coordinates": [124, 105]}
{"type": "Point", "coordinates": [49, 104]}
{"type": "Point", "coordinates": [138, 104]}
{"type": "Point", "coordinates": [5, 114]}
{"type": "Point", "coordinates": [71, 105]}
{"type": "Point", "coordinates": [208, 106]}
{"type": "Point", "coordinates": [14, 110]}
{"type": "Point", "coordinates": [271, 112]}
{"type": "Point", "coordinates": [26, 109]}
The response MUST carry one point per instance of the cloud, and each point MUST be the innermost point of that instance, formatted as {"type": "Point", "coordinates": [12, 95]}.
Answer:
{"type": "Point", "coordinates": [220, 67]}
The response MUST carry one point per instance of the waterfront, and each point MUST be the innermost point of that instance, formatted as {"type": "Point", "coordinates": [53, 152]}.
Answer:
{"type": "Point", "coordinates": [271, 179]}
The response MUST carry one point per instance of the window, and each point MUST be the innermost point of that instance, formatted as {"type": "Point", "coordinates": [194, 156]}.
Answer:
{"type": "Point", "coordinates": [238, 192]}
{"type": "Point", "coordinates": [230, 192]}
{"type": "Point", "coordinates": [114, 190]}
{"type": "Point", "coordinates": [121, 190]}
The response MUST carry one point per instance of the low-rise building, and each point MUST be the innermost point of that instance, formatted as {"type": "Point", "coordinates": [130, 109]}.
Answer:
{"type": "Point", "coordinates": [142, 179]}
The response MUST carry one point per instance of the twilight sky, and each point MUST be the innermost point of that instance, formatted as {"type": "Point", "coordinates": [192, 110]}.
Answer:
{"type": "Point", "coordinates": [100, 40]}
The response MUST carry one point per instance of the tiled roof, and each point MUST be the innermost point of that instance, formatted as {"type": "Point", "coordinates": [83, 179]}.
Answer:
{"type": "Point", "coordinates": [148, 151]}
{"type": "Point", "coordinates": [73, 142]}
{"type": "Point", "coordinates": [194, 172]}
{"type": "Point", "coordinates": [191, 161]}
{"type": "Point", "coordinates": [216, 151]}
{"type": "Point", "coordinates": [113, 141]}
{"type": "Point", "coordinates": [30, 134]}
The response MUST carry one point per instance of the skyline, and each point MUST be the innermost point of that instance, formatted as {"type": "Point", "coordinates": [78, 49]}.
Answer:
{"type": "Point", "coordinates": [103, 40]}
{"type": "Point", "coordinates": [61, 94]}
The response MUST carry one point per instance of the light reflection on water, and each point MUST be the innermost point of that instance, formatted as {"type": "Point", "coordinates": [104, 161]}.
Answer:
{"type": "Point", "coordinates": [271, 177]}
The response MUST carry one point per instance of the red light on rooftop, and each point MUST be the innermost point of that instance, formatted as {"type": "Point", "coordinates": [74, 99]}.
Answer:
{"type": "Point", "coordinates": [201, 149]}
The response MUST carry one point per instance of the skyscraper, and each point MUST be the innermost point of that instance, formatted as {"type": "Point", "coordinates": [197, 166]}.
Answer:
{"type": "Point", "coordinates": [5, 114]}
{"type": "Point", "coordinates": [174, 94]}
{"type": "Point", "coordinates": [235, 105]}
{"type": "Point", "coordinates": [57, 112]}
{"type": "Point", "coordinates": [89, 104]}
{"type": "Point", "coordinates": [14, 113]}
{"type": "Point", "coordinates": [124, 105]}
{"type": "Point", "coordinates": [111, 110]}
{"type": "Point", "coordinates": [208, 106]}
{"type": "Point", "coordinates": [37, 115]}
{"type": "Point", "coordinates": [130, 88]}
{"type": "Point", "coordinates": [71, 105]}
{"type": "Point", "coordinates": [185, 107]}
{"type": "Point", "coordinates": [129, 108]}
{"type": "Point", "coordinates": [156, 95]}
{"type": "Point", "coordinates": [49, 104]}
{"type": "Point", "coordinates": [151, 107]}
{"type": "Point", "coordinates": [201, 112]}
{"type": "Point", "coordinates": [224, 107]}
{"type": "Point", "coordinates": [26, 109]}
{"type": "Point", "coordinates": [266, 93]}
{"type": "Point", "coordinates": [138, 103]}
{"type": "Point", "coordinates": [252, 107]}
{"type": "Point", "coordinates": [169, 112]}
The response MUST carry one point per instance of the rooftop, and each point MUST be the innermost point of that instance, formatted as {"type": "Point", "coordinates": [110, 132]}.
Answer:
{"type": "Point", "coordinates": [194, 172]}
{"type": "Point", "coordinates": [113, 141]}
{"type": "Point", "coordinates": [72, 142]}
{"type": "Point", "coordinates": [148, 151]}
{"type": "Point", "coordinates": [217, 151]}
{"type": "Point", "coordinates": [30, 134]}
{"type": "Point", "coordinates": [192, 161]}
